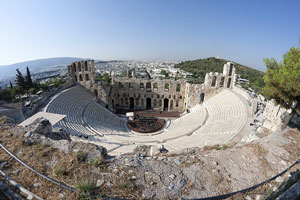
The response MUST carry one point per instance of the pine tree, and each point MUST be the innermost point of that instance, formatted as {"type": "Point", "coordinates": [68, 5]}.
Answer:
{"type": "Point", "coordinates": [10, 85]}
{"type": "Point", "coordinates": [20, 81]}
{"type": "Point", "coordinates": [28, 79]}
{"type": "Point", "coordinates": [282, 81]}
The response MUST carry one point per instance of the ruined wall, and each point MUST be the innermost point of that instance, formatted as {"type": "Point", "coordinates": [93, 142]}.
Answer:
{"type": "Point", "coordinates": [158, 94]}
{"type": "Point", "coordinates": [82, 72]}
{"type": "Point", "coordinates": [213, 84]}
{"type": "Point", "coordinates": [273, 114]}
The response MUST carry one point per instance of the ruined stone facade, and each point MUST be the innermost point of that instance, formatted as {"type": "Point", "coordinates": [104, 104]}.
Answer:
{"type": "Point", "coordinates": [131, 93]}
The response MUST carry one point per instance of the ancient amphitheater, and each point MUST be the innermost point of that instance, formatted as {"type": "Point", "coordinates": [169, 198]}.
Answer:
{"type": "Point", "coordinates": [222, 117]}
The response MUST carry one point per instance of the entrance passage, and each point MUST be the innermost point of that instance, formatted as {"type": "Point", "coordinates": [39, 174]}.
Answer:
{"type": "Point", "coordinates": [131, 103]}
{"type": "Point", "coordinates": [148, 103]}
{"type": "Point", "coordinates": [166, 104]}
{"type": "Point", "coordinates": [201, 97]}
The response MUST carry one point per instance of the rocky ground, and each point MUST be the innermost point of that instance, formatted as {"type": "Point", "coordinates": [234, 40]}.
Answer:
{"type": "Point", "coordinates": [194, 173]}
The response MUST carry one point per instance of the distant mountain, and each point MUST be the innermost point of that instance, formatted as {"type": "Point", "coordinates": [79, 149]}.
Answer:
{"type": "Point", "coordinates": [10, 70]}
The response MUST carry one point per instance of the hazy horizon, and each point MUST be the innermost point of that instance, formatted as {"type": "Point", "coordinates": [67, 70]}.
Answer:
{"type": "Point", "coordinates": [244, 32]}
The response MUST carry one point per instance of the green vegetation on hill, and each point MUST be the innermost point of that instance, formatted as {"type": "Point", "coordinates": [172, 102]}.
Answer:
{"type": "Point", "coordinates": [202, 66]}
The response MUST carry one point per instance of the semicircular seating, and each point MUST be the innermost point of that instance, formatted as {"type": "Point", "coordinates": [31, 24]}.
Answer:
{"type": "Point", "coordinates": [84, 116]}
{"type": "Point", "coordinates": [227, 116]}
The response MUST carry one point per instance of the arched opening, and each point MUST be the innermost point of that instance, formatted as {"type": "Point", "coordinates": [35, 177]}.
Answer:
{"type": "Point", "coordinates": [79, 67]}
{"type": "Point", "coordinates": [86, 66]}
{"type": "Point", "coordinates": [171, 104]}
{"type": "Point", "coordinates": [142, 86]}
{"type": "Point", "coordinates": [148, 86]}
{"type": "Point", "coordinates": [214, 80]}
{"type": "Point", "coordinates": [166, 104]}
{"type": "Point", "coordinates": [202, 97]}
{"type": "Point", "coordinates": [222, 82]}
{"type": "Point", "coordinates": [155, 87]}
{"type": "Point", "coordinates": [87, 77]}
{"type": "Point", "coordinates": [75, 77]}
{"type": "Point", "coordinates": [131, 103]}
{"type": "Point", "coordinates": [96, 93]}
{"type": "Point", "coordinates": [167, 86]}
{"type": "Point", "coordinates": [80, 78]}
{"type": "Point", "coordinates": [120, 85]}
{"type": "Point", "coordinates": [230, 69]}
{"type": "Point", "coordinates": [130, 86]}
{"type": "Point", "coordinates": [178, 86]}
{"type": "Point", "coordinates": [229, 83]}
{"type": "Point", "coordinates": [177, 103]}
{"type": "Point", "coordinates": [122, 101]}
{"type": "Point", "coordinates": [148, 103]}
{"type": "Point", "coordinates": [74, 67]}
{"type": "Point", "coordinates": [137, 101]}
{"type": "Point", "coordinates": [154, 103]}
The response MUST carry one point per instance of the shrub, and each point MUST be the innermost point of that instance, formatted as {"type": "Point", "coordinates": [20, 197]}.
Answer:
{"type": "Point", "coordinates": [81, 156]}
{"type": "Point", "coordinates": [86, 189]}
{"type": "Point", "coordinates": [96, 162]}
{"type": "Point", "coordinates": [59, 170]}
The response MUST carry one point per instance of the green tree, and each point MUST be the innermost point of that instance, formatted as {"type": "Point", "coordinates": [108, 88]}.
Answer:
{"type": "Point", "coordinates": [282, 79]}
{"type": "Point", "coordinates": [20, 81]}
{"type": "Point", "coordinates": [10, 84]}
{"type": "Point", "coordinates": [28, 79]}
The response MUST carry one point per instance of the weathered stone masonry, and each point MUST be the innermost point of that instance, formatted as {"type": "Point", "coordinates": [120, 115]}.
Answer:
{"type": "Point", "coordinates": [157, 94]}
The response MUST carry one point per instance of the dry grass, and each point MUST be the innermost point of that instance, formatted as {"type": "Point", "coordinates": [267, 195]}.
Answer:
{"type": "Point", "coordinates": [294, 147]}
{"type": "Point", "coordinates": [72, 169]}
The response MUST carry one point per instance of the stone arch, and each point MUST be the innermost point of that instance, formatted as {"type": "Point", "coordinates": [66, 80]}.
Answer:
{"type": "Point", "coordinates": [148, 103]}
{"type": "Point", "coordinates": [167, 86]}
{"type": "Point", "coordinates": [130, 86]}
{"type": "Point", "coordinates": [166, 104]}
{"type": "Point", "coordinates": [155, 87]}
{"type": "Point", "coordinates": [96, 92]}
{"type": "Point", "coordinates": [113, 103]}
{"type": "Point", "coordinates": [213, 82]}
{"type": "Point", "coordinates": [79, 66]}
{"type": "Point", "coordinates": [148, 86]}
{"type": "Point", "coordinates": [178, 86]}
{"type": "Point", "coordinates": [142, 85]}
{"type": "Point", "coordinates": [229, 83]}
{"type": "Point", "coordinates": [230, 69]}
{"type": "Point", "coordinates": [80, 77]}
{"type": "Point", "coordinates": [202, 95]}
{"type": "Point", "coordinates": [87, 77]}
{"type": "Point", "coordinates": [222, 82]}
{"type": "Point", "coordinates": [86, 66]}
{"type": "Point", "coordinates": [131, 103]}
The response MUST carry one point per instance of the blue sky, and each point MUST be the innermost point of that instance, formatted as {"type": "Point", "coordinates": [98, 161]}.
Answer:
{"type": "Point", "coordinates": [238, 30]}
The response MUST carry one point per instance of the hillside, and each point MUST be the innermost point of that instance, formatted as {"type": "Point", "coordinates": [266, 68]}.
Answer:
{"type": "Point", "coordinates": [10, 70]}
{"type": "Point", "coordinates": [202, 66]}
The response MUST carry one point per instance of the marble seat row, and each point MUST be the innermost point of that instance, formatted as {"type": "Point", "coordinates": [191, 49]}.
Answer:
{"type": "Point", "coordinates": [83, 115]}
